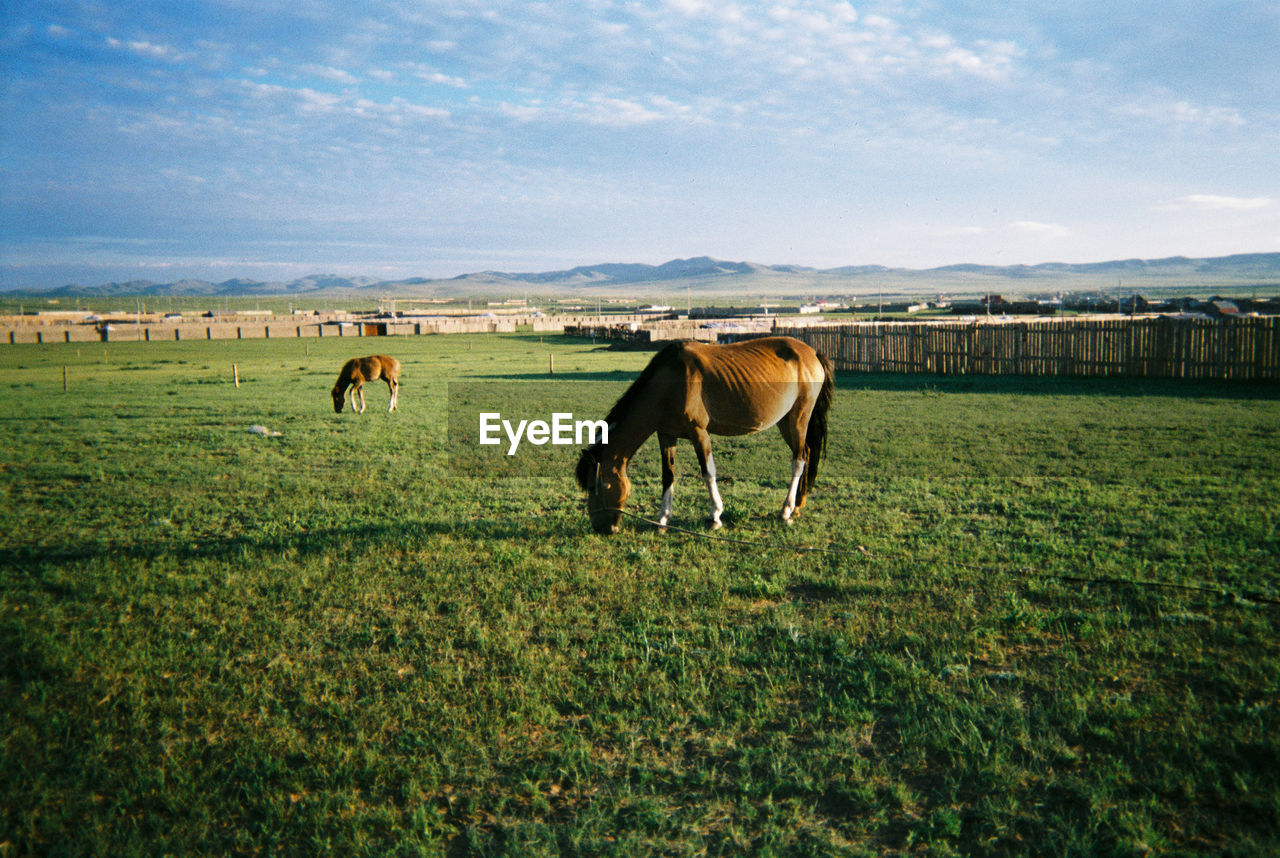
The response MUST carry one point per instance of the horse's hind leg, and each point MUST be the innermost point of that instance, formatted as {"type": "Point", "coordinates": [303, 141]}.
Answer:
{"type": "Point", "coordinates": [395, 390]}
{"type": "Point", "coordinates": [702, 446]}
{"type": "Point", "coordinates": [668, 446]}
{"type": "Point", "coordinates": [793, 502]}
{"type": "Point", "coordinates": [797, 490]}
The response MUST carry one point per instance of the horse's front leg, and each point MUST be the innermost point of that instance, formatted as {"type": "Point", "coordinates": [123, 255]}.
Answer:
{"type": "Point", "coordinates": [667, 443]}
{"type": "Point", "coordinates": [361, 392]}
{"type": "Point", "coordinates": [702, 446]}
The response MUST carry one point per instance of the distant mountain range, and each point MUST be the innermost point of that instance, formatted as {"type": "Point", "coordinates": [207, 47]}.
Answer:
{"type": "Point", "coordinates": [709, 276]}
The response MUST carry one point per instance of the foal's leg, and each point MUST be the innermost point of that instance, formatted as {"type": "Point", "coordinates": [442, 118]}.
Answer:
{"type": "Point", "coordinates": [702, 446]}
{"type": "Point", "coordinates": [360, 390]}
{"type": "Point", "coordinates": [668, 445]}
{"type": "Point", "coordinates": [395, 388]}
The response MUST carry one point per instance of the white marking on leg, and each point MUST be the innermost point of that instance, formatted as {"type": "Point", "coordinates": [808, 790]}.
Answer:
{"type": "Point", "coordinates": [362, 400]}
{"type": "Point", "coordinates": [717, 505]}
{"type": "Point", "coordinates": [797, 469]}
{"type": "Point", "coordinates": [667, 498]}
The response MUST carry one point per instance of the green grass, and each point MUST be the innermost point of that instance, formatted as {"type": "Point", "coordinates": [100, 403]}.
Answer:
{"type": "Point", "coordinates": [342, 641]}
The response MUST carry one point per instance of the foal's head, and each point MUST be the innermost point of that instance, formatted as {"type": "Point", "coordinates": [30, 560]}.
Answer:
{"type": "Point", "coordinates": [604, 478]}
{"type": "Point", "coordinates": [339, 397]}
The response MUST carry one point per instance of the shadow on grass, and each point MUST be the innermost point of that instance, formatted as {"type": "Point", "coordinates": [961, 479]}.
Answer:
{"type": "Point", "coordinates": [617, 375]}
{"type": "Point", "coordinates": [546, 338]}
{"type": "Point", "coordinates": [598, 345]}
{"type": "Point", "coordinates": [45, 565]}
{"type": "Point", "coordinates": [33, 560]}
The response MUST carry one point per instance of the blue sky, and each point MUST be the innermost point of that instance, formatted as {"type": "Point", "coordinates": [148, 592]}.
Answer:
{"type": "Point", "coordinates": [164, 139]}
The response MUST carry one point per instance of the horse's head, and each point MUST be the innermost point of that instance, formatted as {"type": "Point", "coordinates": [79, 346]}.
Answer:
{"type": "Point", "coordinates": [339, 397]}
{"type": "Point", "coordinates": [604, 478]}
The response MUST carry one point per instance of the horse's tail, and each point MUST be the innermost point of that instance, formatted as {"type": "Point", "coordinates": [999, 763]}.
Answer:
{"type": "Point", "coordinates": [815, 437]}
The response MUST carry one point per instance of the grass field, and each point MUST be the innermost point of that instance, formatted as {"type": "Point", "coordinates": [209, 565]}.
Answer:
{"type": "Point", "coordinates": [345, 641]}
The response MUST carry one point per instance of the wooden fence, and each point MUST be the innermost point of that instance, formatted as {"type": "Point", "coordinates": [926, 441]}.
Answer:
{"type": "Point", "coordinates": [643, 333]}
{"type": "Point", "coordinates": [1158, 347]}
{"type": "Point", "coordinates": [61, 330]}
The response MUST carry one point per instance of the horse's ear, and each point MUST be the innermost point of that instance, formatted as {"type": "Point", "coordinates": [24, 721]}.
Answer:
{"type": "Point", "coordinates": [587, 469]}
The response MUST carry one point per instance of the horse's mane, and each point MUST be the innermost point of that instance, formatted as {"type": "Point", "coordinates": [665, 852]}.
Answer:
{"type": "Point", "coordinates": [622, 408]}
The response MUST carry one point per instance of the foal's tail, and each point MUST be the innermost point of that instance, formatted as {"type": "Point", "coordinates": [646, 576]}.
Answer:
{"type": "Point", "coordinates": [816, 435]}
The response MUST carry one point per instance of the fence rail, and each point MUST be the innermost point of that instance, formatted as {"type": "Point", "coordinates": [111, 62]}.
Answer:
{"type": "Point", "coordinates": [1157, 347]}
{"type": "Point", "coordinates": [61, 330]}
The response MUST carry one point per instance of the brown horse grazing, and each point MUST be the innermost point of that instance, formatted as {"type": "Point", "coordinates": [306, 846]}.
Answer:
{"type": "Point", "coordinates": [357, 371]}
{"type": "Point", "coordinates": [693, 390]}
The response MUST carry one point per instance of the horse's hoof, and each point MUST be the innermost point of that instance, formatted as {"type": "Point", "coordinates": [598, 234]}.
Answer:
{"type": "Point", "coordinates": [713, 524]}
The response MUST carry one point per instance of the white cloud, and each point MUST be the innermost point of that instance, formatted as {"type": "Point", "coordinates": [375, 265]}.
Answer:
{"type": "Point", "coordinates": [961, 231]}
{"type": "Point", "coordinates": [179, 176]}
{"type": "Point", "coordinates": [1185, 113]}
{"type": "Point", "coordinates": [689, 7]}
{"type": "Point", "coordinates": [986, 59]}
{"type": "Point", "coordinates": [523, 112]}
{"type": "Point", "coordinates": [330, 73]}
{"type": "Point", "coordinates": [602, 111]}
{"type": "Point", "coordinates": [307, 101]}
{"type": "Point", "coordinates": [1043, 230]}
{"type": "Point", "coordinates": [149, 50]}
{"type": "Point", "coordinates": [808, 42]}
{"type": "Point", "coordinates": [403, 107]}
{"type": "Point", "coordinates": [619, 112]}
{"type": "Point", "coordinates": [1215, 202]}
{"type": "Point", "coordinates": [438, 78]}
